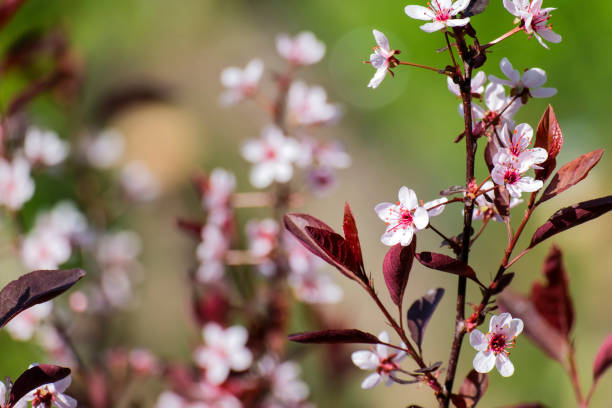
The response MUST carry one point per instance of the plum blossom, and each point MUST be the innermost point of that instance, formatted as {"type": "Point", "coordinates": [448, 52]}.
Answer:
{"type": "Point", "coordinates": [516, 143]}
{"type": "Point", "coordinates": [383, 59]}
{"type": "Point", "coordinates": [272, 156]}
{"type": "Point", "coordinates": [211, 252]}
{"type": "Point", "coordinates": [139, 182]}
{"type": "Point", "coordinates": [105, 149]}
{"type": "Point", "coordinates": [218, 189]}
{"type": "Point", "coordinates": [508, 171]}
{"type": "Point", "coordinates": [379, 359]}
{"type": "Point", "coordinates": [308, 105]}
{"type": "Point", "coordinates": [284, 379]}
{"type": "Point", "coordinates": [441, 12]}
{"type": "Point", "coordinates": [240, 83]}
{"type": "Point", "coordinates": [45, 249]}
{"type": "Point", "coordinates": [534, 19]}
{"type": "Point", "coordinates": [303, 49]}
{"type": "Point", "coordinates": [500, 108]}
{"type": "Point", "coordinates": [224, 350]}
{"type": "Point", "coordinates": [406, 217]}
{"type": "Point", "coordinates": [44, 147]}
{"type": "Point", "coordinates": [24, 325]}
{"type": "Point", "coordinates": [49, 394]}
{"type": "Point", "coordinates": [64, 218]}
{"type": "Point", "coordinates": [263, 236]}
{"type": "Point", "coordinates": [321, 159]}
{"type": "Point", "coordinates": [16, 184]}
{"type": "Point", "coordinates": [528, 85]}
{"type": "Point", "coordinates": [477, 84]}
{"type": "Point", "coordinates": [494, 347]}
{"type": "Point", "coordinates": [484, 207]}
{"type": "Point", "coordinates": [119, 249]}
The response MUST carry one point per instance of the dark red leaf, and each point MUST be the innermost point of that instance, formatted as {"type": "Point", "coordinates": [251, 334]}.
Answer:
{"type": "Point", "coordinates": [458, 401]}
{"type": "Point", "coordinates": [396, 269]}
{"type": "Point", "coordinates": [34, 288]}
{"type": "Point", "coordinates": [503, 283]}
{"type": "Point", "coordinates": [489, 153]}
{"type": "Point", "coordinates": [570, 174]}
{"type": "Point", "coordinates": [193, 228]}
{"type": "Point", "coordinates": [603, 359]}
{"type": "Point", "coordinates": [445, 263]}
{"type": "Point", "coordinates": [296, 224]}
{"type": "Point", "coordinates": [33, 378]}
{"type": "Point", "coordinates": [420, 312]}
{"type": "Point", "coordinates": [473, 388]}
{"type": "Point", "coordinates": [8, 8]}
{"type": "Point", "coordinates": [476, 7]}
{"type": "Point", "coordinates": [502, 201]}
{"type": "Point", "coordinates": [338, 250]}
{"type": "Point", "coordinates": [545, 336]}
{"type": "Point", "coordinates": [351, 235]}
{"type": "Point", "coordinates": [553, 300]}
{"type": "Point", "coordinates": [335, 336]}
{"type": "Point", "coordinates": [550, 138]}
{"type": "Point", "coordinates": [570, 217]}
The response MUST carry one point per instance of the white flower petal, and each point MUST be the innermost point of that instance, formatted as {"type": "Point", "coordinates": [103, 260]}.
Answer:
{"type": "Point", "coordinates": [504, 365]}
{"type": "Point", "coordinates": [420, 218]}
{"type": "Point", "coordinates": [484, 361]}
{"type": "Point", "coordinates": [381, 40]}
{"type": "Point", "coordinates": [534, 78]}
{"type": "Point", "coordinates": [478, 340]}
{"type": "Point", "coordinates": [543, 92]}
{"type": "Point", "coordinates": [407, 197]}
{"type": "Point", "coordinates": [371, 381]}
{"type": "Point", "coordinates": [458, 22]}
{"type": "Point", "coordinates": [383, 210]}
{"type": "Point", "coordinates": [529, 185]}
{"type": "Point", "coordinates": [459, 6]}
{"type": "Point", "coordinates": [406, 236]}
{"type": "Point", "coordinates": [509, 71]}
{"type": "Point", "coordinates": [432, 27]}
{"type": "Point", "coordinates": [364, 359]}
{"type": "Point", "coordinates": [419, 13]}
{"type": "Point", "coordinates": [516, 327]}
{"type": "Point", "coordinates": [378, 77]}
{"type": "Point", "coordinates": [391, 237]}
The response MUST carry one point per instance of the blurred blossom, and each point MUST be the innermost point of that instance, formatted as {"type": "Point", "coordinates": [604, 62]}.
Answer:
{"type": "Point", "coordinates": [118, 249]}
{"type": "Point", "coordinates": [45, 249]}
{"type": "Point", "coordinates": [49, 394]}
{"type": "Point", "coordinates": [78, 302]}
{"type": "Point", "coordinates": [219, 188]}
{"type": "Point", "coordinates": [263, 236]}
{"type": "Point", "coordinates": [211, 253]}
{"type": "Point", "coordinates": [309, 106]}
{"type": "Point", "coordinates": [240, 83]}
{"type": "Point", "coordinates": [104, 150]}
{"type": "Point", "coordinates": [64, 218]}
{"type": "Point", "coordinates": [143, 362]}
{"type": "Point", "coordinates": [16, 184]}
{"type": "Point", "coordinates": [117, 287]}
{"type": "Point", "coordinates": [223, 350]}
{"type": "Point", "coordinates": [44, 147]}
{"type": "Point", "coordinates": [24, 325]}
{"type": "Point", "coordinates": [272, 157]}
{"type": "Point", "coordinates": [284, 378]}
{"type": "Point", "coordinates": [139, 182]}
{"type": "Point", "coordinates": [55, 346]}
{"type": "Point", "coordinates": [501, 108]}
{"type": "Point", "coordinates": [303, 49]}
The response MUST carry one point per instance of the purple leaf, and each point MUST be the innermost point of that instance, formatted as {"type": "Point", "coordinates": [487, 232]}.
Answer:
{"type": "Point", "coordinates": [603, 359]}
{"type": "Point", "coordinates": [475, 7]}
{"type": "Point", "coordinates": [570, 174]}
{"type": "Point", "coordinates": [502, 283]}
{"type": "Point", "coordinates": [335, 336]}
{"type": "Point", "coordinates": [34, 288]}
{"type": "Point", "coordinates": [545, 336]}
{"type": "Point", "coordinates": [33, 378]}
{"type": "Point", "coordinates": [550, 138]}
{"type": "Point", "coordinates": [351, 235]}
{"type": "Point", "coordinates": [338, 251]}
{"type": "Point", "coordinates": [570, 217]}
{"type": "Point", "coordinates": [445, 263]}
{"type": "Point", "coordinates": [473, 388]}
{"type": "Point", "coordinates": [552, 301]}
{"type": "Point", "coordinates": [396, 269]}
{"type": "Point", "coordinates": [420, 312]}
{"type": "Point", "coordinates": [296, 224]}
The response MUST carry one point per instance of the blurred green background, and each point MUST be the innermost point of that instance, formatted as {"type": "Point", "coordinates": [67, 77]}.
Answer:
{"type": "Point", "coordinates": [399, 134]}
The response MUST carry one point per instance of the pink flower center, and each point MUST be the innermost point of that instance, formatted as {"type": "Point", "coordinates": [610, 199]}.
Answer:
{"type": "Point", "coordinates": [270, 153]}
{"type": "Point", "coordinates": [498, 344]}
{"type": "Point", "coordinates": [43, 398]}
{"type": "Point", "coordinates": [442, 14]}
{"type": "Point", "coordinates": [539, 21]}
{"type": "Point", "coordinates": [511, 176]}
{"type": "Point", "coordinates": [387, 365]}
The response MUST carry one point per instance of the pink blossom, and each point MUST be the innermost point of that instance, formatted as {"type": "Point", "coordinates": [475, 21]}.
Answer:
{"type": "Point", "coordinates": [403, 219]}
{"type": "Point", "coordinates": [272, 156]}
{"type": "Point", "coordinates": [263, 237]}
{"type": "Point", "coordinates": [516, 144]}
{"type": "Point", "coordinates": [240, 83]}
{"type": "Point", "coordinates": [382, 59]}
{"type": "Point", "coordinates": [509, 173]}
{"type": "Point", "coordinates": [380, 359]}
{"type": "Point", "coordinates": [500, 108]}
{"type": "Point", "coordinates": [105, 149]}
{"type": "Point", "coordinates": [119, 249]}
{"type": "Point", "coordinates": [494, 347]}
{"type": "Point", "coordinates": [441, 12]}
{"type": "Point", "coordinates": [16, 184]}
{"type": "Point", "coordinates": [211, 252]}
{"type": "Point", "coordinates": [139, 182]}
{"type": "Point", "coordinates": [223, 350]}
{"type": "Point", "coordinates": [284, 379]}
{"type": "Point", "coordinates": [534, 19]}
{"type": "Point", "coordinates": [44, 147]}
{"type": "Point", "coordinates": [477, 86]}
{"type": "Point", "coordinates": [218, 189]}
{"type": "Point", "coordinates": [530, 83]}
{"type": "Point", "coordinates": [49, 394]}
{"type": "Point", "coordinates": [45, 249]}
{"type": "Point", "coordinates": [143, 361]}
{"type": "Point", "coordinates": [485, 207]}
{"type": "Point", "coordinates": [25, 324]}
{"type": "Point", "coordinates": [308, 105]}
{"type": "Point", "coordinates": [303, 49]}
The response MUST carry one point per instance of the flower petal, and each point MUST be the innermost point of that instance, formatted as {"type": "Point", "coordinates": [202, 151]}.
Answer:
{"type": "Point", "coordinates": [381, 40]}
{"type": "Point", "coordinates": [484, 361]}
{"type": "Point", "coordinates": [419, 13]}
{"type": "Point", "coordinates": [432, 27]}
{"type": "Point", "coordinates": [406, 236]}
{"type": "Point", "coordinates": [509, 71]}
{"type": "Point", "coordinates": [407, 197]}
{"type": "Point", "coordinates": [378, 77]}
{"type": "Point", "coordinates": [543, 92]}
{"type": "Point", "coordinates": [364, 359]}
{"type": "Point", "coordinates": [458, 22]}
{"type": "Point", "coordinates": [420, 218]}
{"type": "Point", "coordinates": [478, 340]}
{"type": "Point", "coordinates": [516, 327]}
{"type": "Point", "coordinates": [371, 381]}
{"type": "Point", "coordinates": [534, 78]}
{"type": "Point", "coordinates": [504, 365]}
